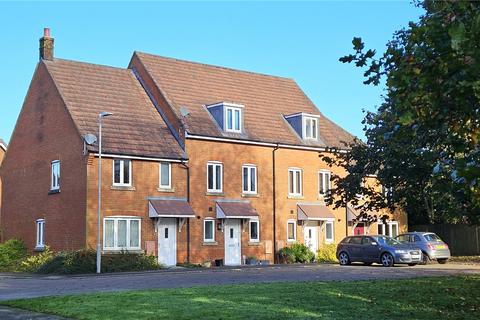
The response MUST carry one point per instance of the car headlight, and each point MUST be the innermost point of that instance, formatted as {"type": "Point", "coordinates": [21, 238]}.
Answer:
{"type": "Point", "coordinates": [401, 251]}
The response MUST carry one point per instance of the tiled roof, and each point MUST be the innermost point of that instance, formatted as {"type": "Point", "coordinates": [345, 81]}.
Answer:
{"type": "Point", "coordinates": [267, 99]}
{"type": "Point", "coordinates": [135, 128]}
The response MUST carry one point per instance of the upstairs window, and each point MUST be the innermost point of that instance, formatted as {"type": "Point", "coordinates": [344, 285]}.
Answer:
{"type": "Point", "coordinates": [122, 172]}
{"type": "Point", "coordinates": [294, 182]}
{"type": "Point", "coordinates": [165, 175]}
{"type": "Point", "coordinates": [310, 128]}
{"type": "Point", "coordinates": [55, 180]}
{"type": "Point", "coordinates": [214, 177]}
{"type": "Point", "coordinates": [249, 179]}
{"type": "Point", "coordinates": [324, 182]}
{"type": "Point", "coordinates": [233, 121]}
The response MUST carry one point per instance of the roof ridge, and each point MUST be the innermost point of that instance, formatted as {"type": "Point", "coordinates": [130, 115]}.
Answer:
{"type": "Point", "coordinates": [215, 66]}
{"type": "Point", "coordinates": [86, 63]}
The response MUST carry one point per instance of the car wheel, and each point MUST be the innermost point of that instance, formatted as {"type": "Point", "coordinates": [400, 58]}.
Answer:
{"type": "Point", "coordinates": [387, 260]}
{"type": "Point", "coordinates": [425, 258]}
{"type": "Point", "coordinates": [442, 261]}
{"type": "Point", "coordinates": [343, 258]}
{"type": "Point", "coordinates": [412, 264]}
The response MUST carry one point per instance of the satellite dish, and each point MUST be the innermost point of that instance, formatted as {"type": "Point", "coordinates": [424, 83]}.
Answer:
{"type": "Point", "coordinates": [90, 138]}
{"type": "Point", "coordinates": [184, 111]}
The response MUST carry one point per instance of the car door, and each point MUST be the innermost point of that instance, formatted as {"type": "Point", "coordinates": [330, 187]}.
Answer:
{"type": "Point", "coordinates": [369, 251]}
{"type": "Point", "coordinates": [354, 248]}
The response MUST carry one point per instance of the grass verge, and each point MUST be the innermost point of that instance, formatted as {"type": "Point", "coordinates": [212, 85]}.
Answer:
{"type": "Point", "coordinates": [423, 298]}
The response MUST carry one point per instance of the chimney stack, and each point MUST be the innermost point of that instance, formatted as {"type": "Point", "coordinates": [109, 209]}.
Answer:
{"type": "Point", "coordinates": [46, 45]}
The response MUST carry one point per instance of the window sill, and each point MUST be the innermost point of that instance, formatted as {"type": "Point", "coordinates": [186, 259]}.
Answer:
{"type": "Point", "coordinates": [218, 194]}
{"type": "Point", "coordinates": [295, 197]}
{"type": "Point", "coordinates": [250, 195]}
{"type": "Point", "coordinates": [254, 243]}
{"type": "Point", "coordinates": [122, 188]}
{"type": "Point", "coordinates": [170, 190]}
{"type": "Point", "coordinates": [39, 249]}
{"type": "Point", "coordinates": [119, 251]}
{"type": "Point", "coordinates": [54, 191]}
{"type": "Point", "coordinates": [291, 240]}
{"type": "Point", "coordinates": [210, 243]}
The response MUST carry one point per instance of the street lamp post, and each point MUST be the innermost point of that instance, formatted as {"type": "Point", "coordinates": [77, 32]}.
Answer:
{"type": "Point", "coordinates": [99, 244]}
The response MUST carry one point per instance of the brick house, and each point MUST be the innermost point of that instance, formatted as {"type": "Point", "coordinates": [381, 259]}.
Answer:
{"type": "Point", "coordinates": [3, 150]}
{"type": "Point", "coordinates": [200, 162]}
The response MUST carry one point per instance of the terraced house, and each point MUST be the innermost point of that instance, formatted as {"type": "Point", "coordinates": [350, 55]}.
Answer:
{"type": "Point", "coordinates": [200, 163]}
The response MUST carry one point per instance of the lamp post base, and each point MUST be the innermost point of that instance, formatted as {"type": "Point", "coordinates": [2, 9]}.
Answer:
{"type": "Point", "coordinates": [99, 257]}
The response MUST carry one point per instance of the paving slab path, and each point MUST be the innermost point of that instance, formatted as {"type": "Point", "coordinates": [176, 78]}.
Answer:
{"type": "Point", "coordinates": [17, 286]}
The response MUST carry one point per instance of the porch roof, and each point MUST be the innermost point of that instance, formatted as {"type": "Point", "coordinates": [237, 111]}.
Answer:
{"type": "Point", "coordinates": [315, 212]}
{"type": "Point", "coordinates": [236, 210]}
{"type": "Point", "coordinates": [170, 209]}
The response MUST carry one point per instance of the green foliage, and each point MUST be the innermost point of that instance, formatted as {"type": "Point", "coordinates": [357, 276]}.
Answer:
{"type": "Point", "coordinates": [297, 252]}
{"type": "Point", "coordinates": [12, 252]}
{"type": "Point", "coordinates": [84, 261]}
{"type": "Point", "coordinates": [327, 253]}
{"type": "Point", "coordinates": [423, 140]}
{"type": "Point", "coordinates": [32, 263]}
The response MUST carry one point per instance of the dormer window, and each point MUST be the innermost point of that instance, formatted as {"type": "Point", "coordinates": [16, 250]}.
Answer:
{"type": "Point", "coordinates": [310, 128]}
{"type": "Point", "coordinates": [234, 119]}
{"type": "Point", "coordinates": [229, 116]}
{"type": "Point", "coordinates": [306, 125]}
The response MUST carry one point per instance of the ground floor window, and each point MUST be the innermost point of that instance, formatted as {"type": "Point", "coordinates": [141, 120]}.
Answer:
{"type": "Point", "coordinates": [40, 233]}
{"type": "Point", "coordinates": [389, 229]}
{"type": "Point", "coordinates": [209, 230]}
{"type": "Point", "coordinates": [254, 231]}
{"type": "Point", "coordinates": [380, 229]}
{"type": "Point", "coordinates": [291, 230]}
{"type": "Point", "coordinates": [329, 231]}
{"type": "Point", "coordinates": [121, 233]}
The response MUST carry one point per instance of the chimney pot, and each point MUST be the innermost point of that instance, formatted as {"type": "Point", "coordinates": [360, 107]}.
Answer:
{"type": "Point", "coordinates": [46, 45]}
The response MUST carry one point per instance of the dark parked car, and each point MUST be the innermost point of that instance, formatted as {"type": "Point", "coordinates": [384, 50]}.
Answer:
{"type": "Point", "coordinates": [433, 248]}
{"type": "Point", "coordinates": [379, 249]}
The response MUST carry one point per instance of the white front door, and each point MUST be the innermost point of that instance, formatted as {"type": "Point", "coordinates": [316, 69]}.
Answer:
{"type": "Point", "coordinates": [167, 241]}
{"type": "Point", "coordinates": [233, 249]}
{"type": "Point", "coordinates": [310, 235]}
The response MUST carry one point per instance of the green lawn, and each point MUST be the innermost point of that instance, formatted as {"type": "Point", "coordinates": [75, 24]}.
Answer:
{"type": "Point", "coordinates": [427, 298]}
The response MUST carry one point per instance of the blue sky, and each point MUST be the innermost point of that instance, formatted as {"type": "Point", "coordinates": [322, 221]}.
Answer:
{"type": "Point", "coordinates": [299, 40]}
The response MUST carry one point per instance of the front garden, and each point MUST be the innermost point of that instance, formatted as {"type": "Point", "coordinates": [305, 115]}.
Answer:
{"type": "Point", "coordinates": [14, 258]}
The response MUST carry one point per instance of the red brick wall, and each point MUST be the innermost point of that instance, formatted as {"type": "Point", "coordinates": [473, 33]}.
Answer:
{"type": "Point", "coordinates": [2, 155]}
{"type": "Point", "coordinates": [44, 132]}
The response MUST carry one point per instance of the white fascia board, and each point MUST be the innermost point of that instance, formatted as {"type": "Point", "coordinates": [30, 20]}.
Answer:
{"type": "Point", "coordinates": [109, 155]}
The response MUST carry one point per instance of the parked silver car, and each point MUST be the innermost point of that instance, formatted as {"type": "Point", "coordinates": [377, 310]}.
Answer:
{"type": "Point", "coordinates": [433, 248]}
{"type": "Point", "coordinates": [379, 249]}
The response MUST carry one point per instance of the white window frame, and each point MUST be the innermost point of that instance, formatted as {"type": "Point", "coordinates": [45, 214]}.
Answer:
{"type": "Point", "coordinates": [249, 168]}
{"type": "Point", "coordinates": [313, 133]}
{"type": "Point", "coordinates": [225, 122]}
{"type": "Point", "coordinates": [257, 222]}
{"type": "Point", "coordinates": [40, 239]}
{"type": "Point", "coordinates": [127, 237]}
{"type": "Point", "coordinates": [55, 186]}
{"type": "Point", "coordinates": [169, 186]}
{"type": "Point", "coordinates": [213, 229]}
{"type": "Point", "coordinates": [297, 190]}
{"type": "Point", "coordinates": [382, 225]}
{"type": "Point", "coordinates": [321, 180]}
{"type": "Point", "coordinates": [332, 239]}
{"type": "Point", "coordinates": [294, 231]}
{"type": "Point", "coordinates": [122, 178]}
{"type": "Point", "coordinates": [390, 229]}
{"type": "Point", "coordinates": [214, 172]}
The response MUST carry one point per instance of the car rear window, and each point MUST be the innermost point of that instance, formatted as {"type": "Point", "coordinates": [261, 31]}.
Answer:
{"type": "Point", "coordinates": [431, 237]}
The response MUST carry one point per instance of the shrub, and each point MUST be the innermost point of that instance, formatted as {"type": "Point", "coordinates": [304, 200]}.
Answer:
{"type": "Point", "coordinates": [327, 253]}
{"type": "Point", "coordinates": [297, 252]}
{"type": "Point", "coordinates": [12, 252]}
{"type": "Point", "coordinates": [84, 261]}
{"type": "Point", "coordinates": [32, 263]}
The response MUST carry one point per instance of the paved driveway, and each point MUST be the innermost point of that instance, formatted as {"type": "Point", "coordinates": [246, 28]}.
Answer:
{"type": "Point", "coordinates": [27, 286]}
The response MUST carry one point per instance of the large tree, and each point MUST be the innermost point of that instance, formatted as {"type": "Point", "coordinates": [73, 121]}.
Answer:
{"type": "Point", "coordinates": [422, 142]}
